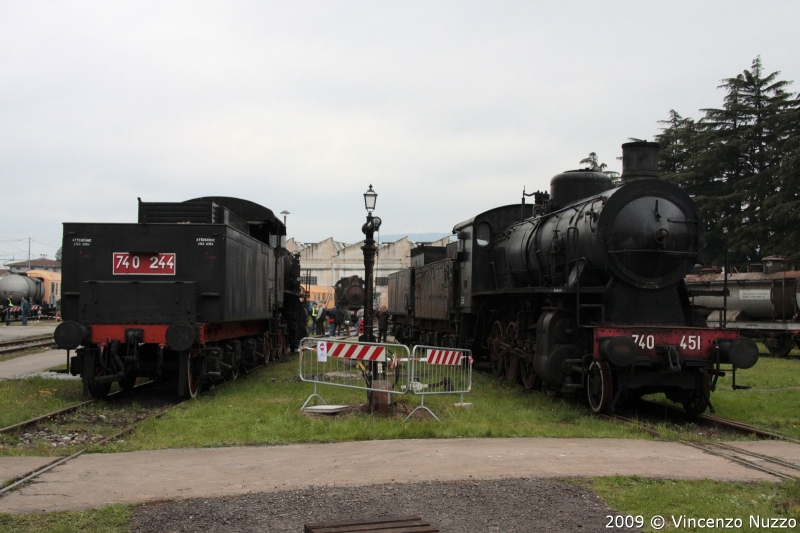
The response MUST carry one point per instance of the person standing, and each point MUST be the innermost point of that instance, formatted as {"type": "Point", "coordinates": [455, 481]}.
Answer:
{"type": "Point", "coordinates": [26, 309]}
{"type": "Point", "coordinates": [348, 317]}
{"type": "Point", "coordinates": [9, 305]}
{"type": "Point", "coordinates": [338, 320]}
{"type": "Point", "coordinates": [331, 322]}
{"type": "Point", "coordinates": [383, 323]}
{"type": "Point", "coordinates": [314, 319]}
{"type": "Point", "coordinates": [321, 319]}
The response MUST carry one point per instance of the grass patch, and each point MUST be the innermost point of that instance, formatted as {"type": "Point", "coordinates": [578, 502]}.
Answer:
{"type": "Point", "coordinates": [110, 519]}
{"type": "Point", "coordinates": [697, 499]}
{"type": "Point", "coordinates": [21, 399]}
{"type": "Point", "coordinates": [773, 402]}
{"type": "Point", "coordinates": [264, 408]}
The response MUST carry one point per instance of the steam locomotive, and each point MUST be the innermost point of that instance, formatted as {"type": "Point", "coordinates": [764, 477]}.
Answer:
{"type": "Point", "coordinates": [196, 290]}
{"type": "Point", "coordinates": [349, 293]}
{"type": "Point", "coordinates": [581, 292]}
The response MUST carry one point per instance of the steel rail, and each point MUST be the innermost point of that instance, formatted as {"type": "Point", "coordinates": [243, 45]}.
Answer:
{"type": "Point", "coordinates": [19, 345]}
{"type": "Point", "coordinates": [726, 451]}
{"type": "Point", "coordinates": [723, 422]}
{"type": "Point", "coordinates": [20, 480]}
{"type": "Point", "coordinates": [61, 460]}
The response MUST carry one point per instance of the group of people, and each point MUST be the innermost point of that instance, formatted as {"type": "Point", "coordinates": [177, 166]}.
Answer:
{"type": "Point", "coordinates": [338, 321]}
{"type": "Point", "coordinates": [335, 321]}
{"type": "Point", "coordinates": [25, 310]}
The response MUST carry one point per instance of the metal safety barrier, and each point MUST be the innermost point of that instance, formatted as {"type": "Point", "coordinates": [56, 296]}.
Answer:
{"type": "Point", "coordinates": [439, 371]}
{"type": "Point", "coordinates": [365, 366]}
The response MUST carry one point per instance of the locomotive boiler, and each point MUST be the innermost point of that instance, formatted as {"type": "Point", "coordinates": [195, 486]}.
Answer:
{"type": "Point", "coordinates": [192, 293]}
{"type": "Point", "coordinates": [580, 292]}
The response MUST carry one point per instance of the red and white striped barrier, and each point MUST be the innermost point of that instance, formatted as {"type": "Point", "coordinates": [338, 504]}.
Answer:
{"type": "Point", "coordinates": [439, 371]}
{"type": "Point", "coordinates": [369, 367]}
{"type": "Point", "coordinates": [361, 352]}
{"type": "Point", "coordinates": [445, 357]}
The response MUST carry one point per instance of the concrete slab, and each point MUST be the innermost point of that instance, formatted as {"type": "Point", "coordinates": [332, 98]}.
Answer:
{"type": "Point", "coordinates": [14, 467]}
{"type": "Point", "coordinates": [786, 451]}
{"type": "Point", "coordinates": [28, 364]}
{"type": "Point", "coordinates": [34, 329]}
{"type": "Point", "coordinates": [100, 479]}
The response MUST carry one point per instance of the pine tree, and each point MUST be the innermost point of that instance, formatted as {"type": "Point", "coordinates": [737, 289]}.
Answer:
{"type": "Point", "coordinates": [731, 162]}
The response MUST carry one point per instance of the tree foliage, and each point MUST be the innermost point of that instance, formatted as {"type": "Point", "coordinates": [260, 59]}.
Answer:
{"type": "Point", "coordinates": [740, 163]}
{"type": "Point", "coordinates": [592, 162]}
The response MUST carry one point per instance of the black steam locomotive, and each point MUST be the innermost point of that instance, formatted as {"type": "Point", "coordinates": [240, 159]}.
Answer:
{"type": "Point", "coordinates": [582, 291]}
{"type": "Point", "coordinates": [196, 290]}
{"type": "Point", "coordinates": [349, 293]}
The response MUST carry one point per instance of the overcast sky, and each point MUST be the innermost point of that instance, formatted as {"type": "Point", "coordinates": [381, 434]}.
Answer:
{"type": "Point", "coordinates": [447, 108]}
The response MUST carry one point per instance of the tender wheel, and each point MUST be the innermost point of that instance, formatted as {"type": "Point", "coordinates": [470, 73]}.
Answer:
{"type": "Point", "coordinates": [93, 368]}
{"type": "Point", "coordinates": [127, 383]}
{"type": "Point", "coordinates": [510, 359]}
{"type": "Point", "coordinates": [285, 348]}
{"type": "Point", "coordinates": [495, 348]}
{"type": "Point", "coordinates": [192, 377]}
{"type": "Point", "coordinates": [599, 388]}
{"type": "Point", "coordinates": [783, 345]}
{"type": "Point", "coordinates": [267, 348]}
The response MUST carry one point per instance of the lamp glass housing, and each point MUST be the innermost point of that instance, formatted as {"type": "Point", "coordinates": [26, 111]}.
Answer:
{"type": "Point", "coordinates": [370, 198]}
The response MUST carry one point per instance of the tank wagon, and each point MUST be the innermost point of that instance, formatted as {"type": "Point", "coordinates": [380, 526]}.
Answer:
{"type": "Point", "coordinates": [349, 293]}
{"type": "Point", "coordinates": [581, 292]}
{"type": "Point", "coordinates": [195, 290]}
{"type": "Point", "coordinates": [41, 288]}
{"type": "Point", "coordinates": [761, 300]}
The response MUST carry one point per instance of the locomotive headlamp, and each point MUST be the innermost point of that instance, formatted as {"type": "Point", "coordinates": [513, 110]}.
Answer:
{"type": "Point", "coordinates": [370, 198]}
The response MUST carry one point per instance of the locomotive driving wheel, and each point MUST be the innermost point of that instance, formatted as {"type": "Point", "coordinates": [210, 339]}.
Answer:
{"type": "Point", "coordinates": [510, 359]}
{"type": "Point", "coordinates": [698, 402]}
{"type": "Point", "coordinates": [599, 388]}
{"type": "Point", "coordinates": [496, 348]}
{"type": "Point", "coordinates": [527, 374]}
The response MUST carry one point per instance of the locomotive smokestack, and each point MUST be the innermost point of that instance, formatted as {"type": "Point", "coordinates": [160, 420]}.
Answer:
{"type": "Point", "coordinates": [639, 161]}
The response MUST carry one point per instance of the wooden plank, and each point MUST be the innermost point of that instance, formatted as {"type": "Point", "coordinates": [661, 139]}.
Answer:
{"type": "Point", "coordinates": [397, 524]}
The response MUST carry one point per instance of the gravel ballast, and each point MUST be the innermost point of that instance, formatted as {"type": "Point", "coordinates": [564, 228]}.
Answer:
{"type": "Point", "coordinates": [507, 505]}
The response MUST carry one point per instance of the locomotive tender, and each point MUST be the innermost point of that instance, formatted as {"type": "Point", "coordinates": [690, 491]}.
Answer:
{"type": "Point", "coordinates": [195, 290]}
{"type": "Point", "coordinates": [582, 291]}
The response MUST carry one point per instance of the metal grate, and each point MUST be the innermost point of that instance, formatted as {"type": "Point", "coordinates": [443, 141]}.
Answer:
{"type": "Point", "coordinates": [397, 524]}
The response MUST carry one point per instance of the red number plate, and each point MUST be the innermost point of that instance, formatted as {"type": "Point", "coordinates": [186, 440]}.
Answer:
{"type": "Point", "coordinates": [143, 264]}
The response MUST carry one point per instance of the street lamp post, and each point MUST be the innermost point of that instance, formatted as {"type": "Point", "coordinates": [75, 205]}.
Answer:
{"type": "Point", "coordinates": [369, 228]}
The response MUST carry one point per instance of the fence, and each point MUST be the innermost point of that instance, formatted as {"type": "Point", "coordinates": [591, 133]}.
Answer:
{"type": "Point", "coordinates": [370, 367]}
{"type": "Point", "coordinates": [439, 371]}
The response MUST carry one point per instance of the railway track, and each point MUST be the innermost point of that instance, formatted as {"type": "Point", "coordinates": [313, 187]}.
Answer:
{"type": "Point", "coordinates": [21, 345]}
{"type": "Point", "coordinates": [768, 464]}
{"type": "Point", "coordinates": [157, 413]}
